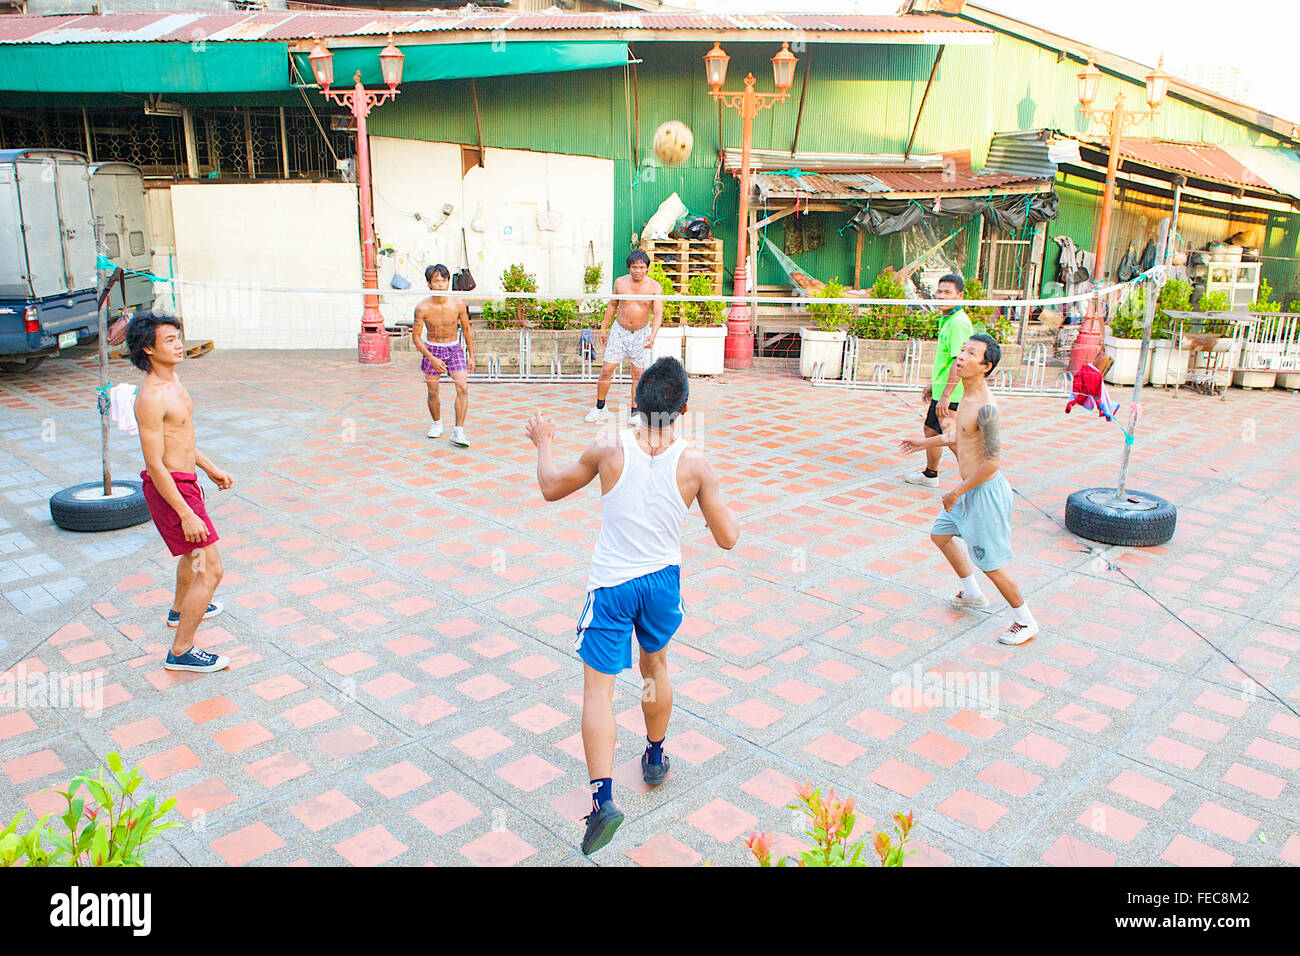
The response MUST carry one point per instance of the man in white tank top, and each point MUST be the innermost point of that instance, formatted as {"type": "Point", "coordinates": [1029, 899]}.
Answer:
{"type": "Point", "coordinates": [648, 481]}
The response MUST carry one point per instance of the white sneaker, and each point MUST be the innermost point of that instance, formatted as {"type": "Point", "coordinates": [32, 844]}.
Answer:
{"type": "Point", "coordinates": [921, 478]}
{"type": "Point", "coordinates": [1019, 633]}
{"type": "Point", "coordinates": [435, 430]}
{"type": "Point", "coordinates": [594, 415]}
{"type": "Point", "coordinates": [458, 437]}
{"type": "Point", "coordinates": [961, 601]}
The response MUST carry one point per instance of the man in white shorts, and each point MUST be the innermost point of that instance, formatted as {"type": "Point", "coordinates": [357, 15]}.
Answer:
{"type": "Point", "coordinates": [633, 333]}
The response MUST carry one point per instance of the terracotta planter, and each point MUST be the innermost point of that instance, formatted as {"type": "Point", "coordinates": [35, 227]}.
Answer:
{"type": "Point", "coordinates": [825, 348]}
{"type": "Point", "coordinates": [705, 346]}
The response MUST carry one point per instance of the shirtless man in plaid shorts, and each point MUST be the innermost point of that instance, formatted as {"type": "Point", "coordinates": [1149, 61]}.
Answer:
{"type": "Point", "coordinates": [632, 334]}
{"type": "Point", "coordinates": [434, 332]}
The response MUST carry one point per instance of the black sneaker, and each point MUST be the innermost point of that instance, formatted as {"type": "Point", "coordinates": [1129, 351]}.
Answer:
{"type": "Point", "coordinates": [653, 773]}
{"type": "Point", "coordinates": [601, 825]}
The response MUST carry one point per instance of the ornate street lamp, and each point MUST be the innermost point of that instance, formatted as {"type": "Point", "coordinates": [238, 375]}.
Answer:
{"type": "Point", "coordinates": [1116, 120]}
{"type": "Point", "coordinates": [372, 343]}
{"type": "Point", "coordinates": [739, 350]}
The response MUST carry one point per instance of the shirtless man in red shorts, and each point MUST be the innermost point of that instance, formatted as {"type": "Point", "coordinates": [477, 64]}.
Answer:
{"type": "Point", "coordinates": [165, 414]}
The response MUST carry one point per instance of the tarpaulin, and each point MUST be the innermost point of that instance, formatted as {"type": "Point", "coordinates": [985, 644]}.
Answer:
{"type": "Point", "coordinates": [885, 216]}
{"type": "Point", "coordinates": [201, 67]}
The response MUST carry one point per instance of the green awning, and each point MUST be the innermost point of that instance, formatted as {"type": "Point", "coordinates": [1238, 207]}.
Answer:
{"type": "Point", "coordinates": [247, 67]}
{"type": "Point", "coordinates": [452, 61]}
{"type": "Point", "coordinates": [225, 67]}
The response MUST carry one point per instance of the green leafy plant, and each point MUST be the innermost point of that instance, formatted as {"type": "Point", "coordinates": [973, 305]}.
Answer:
{"type": "Point", "coordinates": [672, 310]}
{"type": "Point", "coordinates": [112, 830]}
{"type": "Point", "coordinates": [1264, 301]}
{"type": "Point", "coordinates": [557, 314]}
{"type": "Point", "coordinates": [592, 309]}
{"type": "Point", "coordinates": [1175, 296]}
{"type": "Point", "coordinates": [1215, 302]}
{"type": "Point", "coordinates": [517, 279]}
{"type": "Point", "coordinates": [884, 321]}
{"type": "Point", "coordinates": [830, 317]}
{"type": "Point", "coordinates": [830, 828]}
{"type": "Point", "coordinates": [704, 313]}
{"type": "Point", "coordinates": [977, 313]}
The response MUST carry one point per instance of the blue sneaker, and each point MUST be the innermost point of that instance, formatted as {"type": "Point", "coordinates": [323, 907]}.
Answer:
{"type": "Point", "coordinates": [174, 618]}
{"type": "Point", "coordinates": [196, 660]}
{"type": "Point", "coordinates": [653, 773]}
{"type": "Point", "coordinates": [601, 825]}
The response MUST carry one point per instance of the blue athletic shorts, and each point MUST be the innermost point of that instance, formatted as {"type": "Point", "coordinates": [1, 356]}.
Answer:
{"type": "Point", "coordinates": [649, 606]}
{"type": "Point", "coordinates": [982, 518]}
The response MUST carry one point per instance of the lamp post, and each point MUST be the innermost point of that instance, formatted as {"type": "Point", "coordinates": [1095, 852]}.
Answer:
{"type": "Point", "coordinates": [739, 348]}
{"type": "Point", "coordinates": [1116, 120]}
{"type": "Point", "coordinates": [372, 342]}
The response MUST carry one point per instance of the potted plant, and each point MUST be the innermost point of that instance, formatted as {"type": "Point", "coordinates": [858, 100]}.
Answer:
{"type": "Point", "coordinates": [1168, 357]}
{"type": "Point", "coordinates": [1123, 341]}
{"type": "Point", "coordinates": [706, 331]}
{"type": "Point", "coordinates": [1220, 302]}
{"type": "Point", "coordinates": [669, 340]}
{"type": "Point", "coordinates": [824, 345]}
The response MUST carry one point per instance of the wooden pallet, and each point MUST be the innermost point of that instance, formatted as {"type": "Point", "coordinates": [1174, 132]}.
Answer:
{"type": "Point", "coordinates": [192, 349]}
{"type": "Point", "coordinates": [683, 258]}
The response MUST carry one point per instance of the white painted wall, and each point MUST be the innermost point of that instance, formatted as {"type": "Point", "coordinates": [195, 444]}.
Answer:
{"type": "Point", "coordinates": [511, 189]}
{"type": "Point", "coordinates": [257, 235]}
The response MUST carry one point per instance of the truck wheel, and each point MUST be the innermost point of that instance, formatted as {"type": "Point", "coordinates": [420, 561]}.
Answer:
{"type": "Point", "coordinates": [26, 365]}
{"type": "Point", "coordinates": [1141, 520]}
{"type": "Point", "coordinates": [84, 507]}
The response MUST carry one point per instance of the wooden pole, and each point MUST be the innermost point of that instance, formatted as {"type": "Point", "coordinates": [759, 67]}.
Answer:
{"type": "Point", "coordinates": [857, 260]}
{"type": "Point", "coordinates": [248, 143]}
{"type": "Point", "coordinates": [478, 126]}
{"type": "Point", "coordinates": [924, 96]}
{"type": "Point", "coordinates": [284, 145]}
{"type": "Point", "coordinates": [803, 90]}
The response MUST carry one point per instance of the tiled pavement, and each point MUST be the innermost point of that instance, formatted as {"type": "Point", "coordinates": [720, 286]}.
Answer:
{"type": "Point", "coordinates": [399, 613]}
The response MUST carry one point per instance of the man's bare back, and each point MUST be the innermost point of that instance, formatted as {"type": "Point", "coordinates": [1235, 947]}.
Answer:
{"type": "Point", "coordinates": [439, 318]}
{"type": "Point", "coordinates": [177, 419]}
{"type": "Point", "coordinates": [634, 314]}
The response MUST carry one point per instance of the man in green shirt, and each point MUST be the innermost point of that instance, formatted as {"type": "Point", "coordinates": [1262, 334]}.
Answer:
{"type": "Point", "coordinates": [944, 390]}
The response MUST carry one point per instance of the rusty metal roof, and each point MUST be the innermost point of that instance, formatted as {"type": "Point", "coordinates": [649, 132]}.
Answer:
{"type": "Point", "coordinates": [296, 25]}
{"type": "Point", "coordinates": [954, 176]}
{"type": "Point", "coordinates": [1198, 160]}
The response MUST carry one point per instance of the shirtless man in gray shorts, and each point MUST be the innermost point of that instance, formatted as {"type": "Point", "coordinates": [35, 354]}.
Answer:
{"type": "Point", "coordinates": [633, 334]}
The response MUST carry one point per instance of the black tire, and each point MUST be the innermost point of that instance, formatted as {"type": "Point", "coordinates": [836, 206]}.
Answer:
{"type": "Point", "coordinates": [26, 365]}
{"type": "Point", "coordinates": [1089, 516]}
{"type": "Point", "coordinates": [72, 513]}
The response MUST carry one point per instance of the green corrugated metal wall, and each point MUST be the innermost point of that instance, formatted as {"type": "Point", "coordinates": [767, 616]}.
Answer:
{"type": "Point", "coordinates": [861, 98]}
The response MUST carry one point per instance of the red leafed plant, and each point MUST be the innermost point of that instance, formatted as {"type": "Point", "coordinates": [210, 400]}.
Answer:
{"type": "Point", "coordinates": [831, 823]}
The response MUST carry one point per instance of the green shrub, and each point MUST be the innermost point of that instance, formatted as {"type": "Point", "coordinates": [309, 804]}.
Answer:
{"type": "Point", "coordinates": [704, 313]}
{"type": "Point", "coordinates": [977, 313]}
{"type": "Point", "coordinates": [558, 314]}
{"type": "Point", "coordinates": [1215, 302]}
{"type": "Point", "coordinates": [1130, 318]}
{"type": "Point", "coordinates": [672, 310]}
{"type": "Point", "coordinates": [593, 310]}
{"type": "Point", "coordinates": [884, 321]}
{"type": "Point", "coordinates": [116, 827]}
{"type": "Point", "coordinates": [517, 279]}
{"type": "Point", "coordinates": [1175, 296]}
{"type": "Point", "coordinates": [1264, 301]}
{"type": "Point", "coordinates": [830, 317]}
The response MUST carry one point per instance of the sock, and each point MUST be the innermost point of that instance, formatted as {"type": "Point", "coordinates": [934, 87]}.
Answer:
{"type": "Point", "coordinates": [970, 588]}
{"type": "Point", "coordinates": [654, 751]}
{"type": "Point", "coordinates": [600, 403]}
{"type": "Point", "coordinates": [1022, 615]}
{"type": "Point", "coordinates": [930, 473]}
{"type": "Point", "coordinates": [437, 421]}
{"type": "Point", "coordinates": [602, 792]}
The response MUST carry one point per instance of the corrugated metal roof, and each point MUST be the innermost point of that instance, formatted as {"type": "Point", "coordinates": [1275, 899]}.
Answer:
{"type": "Point", "coordinates": [1279, 167]}
{"type": "Point", "coordinates": [1032, 153]}
{"type": "Point", "coordinates": [289, 25]}
{"type": "Point", "coordinates": [771, 159]}
{"type": "Point", "coordinates": [845, 186]}
{"type": "Point", "coordinates": [1204, 161]}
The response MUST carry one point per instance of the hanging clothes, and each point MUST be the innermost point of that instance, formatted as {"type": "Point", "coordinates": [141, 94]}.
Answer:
{"type": "Point", "coordinates": [121, 411]}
